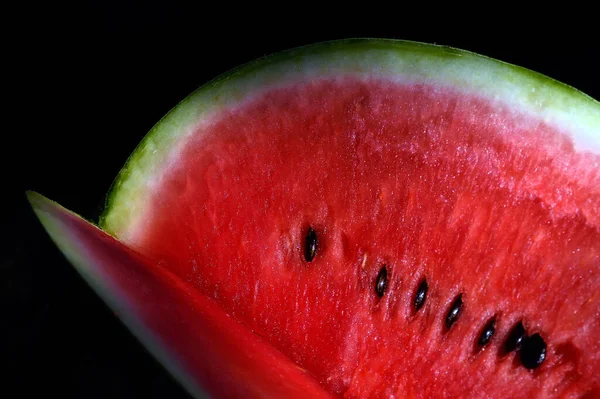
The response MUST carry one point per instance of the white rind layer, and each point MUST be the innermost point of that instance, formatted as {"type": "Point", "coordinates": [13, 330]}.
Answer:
{"type": "Point", "coordinates": [528, 93]}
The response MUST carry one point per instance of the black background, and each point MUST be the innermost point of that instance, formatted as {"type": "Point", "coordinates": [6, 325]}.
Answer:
{"type": "Point", "coordinates": [90, 83]}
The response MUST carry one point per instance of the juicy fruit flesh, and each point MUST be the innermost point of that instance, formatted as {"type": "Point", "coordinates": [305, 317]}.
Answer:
{"type": "Point", "coordinates": [178, 325]}
{"type": "Point", "coordinates": [477, 199]}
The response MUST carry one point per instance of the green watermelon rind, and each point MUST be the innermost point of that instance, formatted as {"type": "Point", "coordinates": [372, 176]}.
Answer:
{"type": "Point", "coordinates": [554, 102]}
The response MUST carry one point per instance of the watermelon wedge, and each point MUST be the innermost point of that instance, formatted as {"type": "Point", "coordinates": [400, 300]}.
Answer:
{"type": "Point", "coordinates": [186, 330]}
{"type": "Point", "coordinates": [360, 219]}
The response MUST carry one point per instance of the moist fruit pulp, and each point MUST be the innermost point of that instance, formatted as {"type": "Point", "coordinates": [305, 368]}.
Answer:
{"type": "Point", "coordinates": [471, 195]}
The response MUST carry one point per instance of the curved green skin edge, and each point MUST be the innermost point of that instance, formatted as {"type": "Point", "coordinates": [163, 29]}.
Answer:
{"type": "Point", "coordinates": [556, 103]}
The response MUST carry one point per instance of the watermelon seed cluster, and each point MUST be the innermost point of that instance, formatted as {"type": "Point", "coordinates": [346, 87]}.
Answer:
{"type": "Point", "coordinates": [531, 349]}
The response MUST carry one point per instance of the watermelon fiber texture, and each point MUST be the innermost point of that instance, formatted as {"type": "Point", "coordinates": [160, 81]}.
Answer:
{"type": "Point", "coordinates": [362, 219]}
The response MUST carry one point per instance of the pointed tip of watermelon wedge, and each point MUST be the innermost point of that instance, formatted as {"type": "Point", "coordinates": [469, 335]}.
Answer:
{"type": "Point", "coordinates": [205, 349]}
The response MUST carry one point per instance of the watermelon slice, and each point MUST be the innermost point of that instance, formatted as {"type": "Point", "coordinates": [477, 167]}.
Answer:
{"type": "Point", "coordinates": [360, 219]}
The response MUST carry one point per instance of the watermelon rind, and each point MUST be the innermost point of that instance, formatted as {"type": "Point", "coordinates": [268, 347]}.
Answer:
{"type": "Point", "coordinates": [530, 93]}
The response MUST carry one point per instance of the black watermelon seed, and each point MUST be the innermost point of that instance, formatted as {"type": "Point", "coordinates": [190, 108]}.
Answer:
{"type": "Point", "coordinates": [533, 351]}
{"type": "Point", "coordinates": [454, 311]}
{"type": "Point", "coordinates": [515, 338]}
{"type": "Point", "coordinates": [311, 245]}
{"type": "Point", "coordinates": [487, 333]}
{"type": "Point", "coordinates": [421, 295]}
{"type": "Point", "coordinates": [381, 282]}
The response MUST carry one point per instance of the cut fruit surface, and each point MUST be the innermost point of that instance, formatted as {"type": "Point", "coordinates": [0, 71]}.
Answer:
{"type": "Point", "coordinates": [399, 219]}
{"type": "Point", "coordinates": [517, 89]}
{"type": "Point", "coordinates": [207, 350]}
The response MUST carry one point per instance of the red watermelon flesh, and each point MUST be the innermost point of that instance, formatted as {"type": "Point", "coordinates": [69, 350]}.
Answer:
{"type": "Point", "coordinates": [467, 195]}
{"type": "Point", "coordinates": [487, 196]}
{"type": "Point", "coordinates": [187, 331]}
